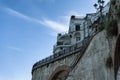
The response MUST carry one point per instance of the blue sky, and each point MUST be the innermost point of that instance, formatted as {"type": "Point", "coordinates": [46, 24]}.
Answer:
{"type": "Point", "coordinates": [28, 30]}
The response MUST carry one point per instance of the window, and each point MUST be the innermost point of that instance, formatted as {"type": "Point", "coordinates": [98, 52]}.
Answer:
{"type": "Point", "coordinates": [59, 34]}
{"type": "Point", "coordinates": [77, 38]}
{"type": "Point", "coordinates": [77, 27]}
{"type": "Point", "coordinates": [59, 43]}
{"type": "Point", "coordinates": [61, 48]}
{"type": "Point", "coordinates": [70, 36]}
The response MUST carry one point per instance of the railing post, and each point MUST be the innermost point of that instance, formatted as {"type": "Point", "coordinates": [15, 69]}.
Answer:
{"type": "Point", "coordinates": [64, 51]}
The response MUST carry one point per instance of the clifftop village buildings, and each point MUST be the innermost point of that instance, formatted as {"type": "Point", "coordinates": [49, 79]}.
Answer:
{"type": "Point", "coordinates": [84, 52]}
{"type": "Point", "coordinates": [79, 29]}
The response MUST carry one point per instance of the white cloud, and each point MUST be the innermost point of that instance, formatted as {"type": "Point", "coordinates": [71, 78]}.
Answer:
{"type": "Point", "coordinates": [76, 13]}
{"type": "Point", "coordinates": [66, 18]}
{"type": "Point", "coordinates": [61, 26]}
{"type": "Point", "coordinates": [56, 26]}
{"type": "Point", "coordinates": [18, 14]}
{"type": "Point", "coordinates": [14, 48]}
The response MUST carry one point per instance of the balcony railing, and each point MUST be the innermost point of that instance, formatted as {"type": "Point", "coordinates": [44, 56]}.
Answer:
{"type": "Point", "coordinates": [66, 44]}
{"type": "Point", "coordinates": [63, 36]}
{"type": "Point", "coordinates": [64, 52]}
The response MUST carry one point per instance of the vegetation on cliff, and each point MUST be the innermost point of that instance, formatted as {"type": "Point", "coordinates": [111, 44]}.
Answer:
{"type": "Point", "coordinates": [111, 27]}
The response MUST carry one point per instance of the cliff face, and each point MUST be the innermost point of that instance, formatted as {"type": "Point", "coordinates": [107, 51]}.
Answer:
{"type": "Point", "coordinates": [99, 61]}
{"type": "Point", "coordinates": [95, 64]}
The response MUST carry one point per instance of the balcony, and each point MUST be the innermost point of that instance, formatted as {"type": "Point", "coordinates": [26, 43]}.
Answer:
{"type": "Point", "coordinates": [60, 45]}
{"type": "Point", "coordinates": [63, 53]}
{"type": "Point", "coordinates": [63, 36]}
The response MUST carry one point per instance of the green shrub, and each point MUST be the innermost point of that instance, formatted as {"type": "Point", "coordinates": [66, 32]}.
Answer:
{"type": "Point", "coordinates": [111, 27]}
{"type": "Point", "coordinates": [100, 28]}
{"type": "Point", "coordinates": [118, 12]}
{"type": "Point", "coordinates": [113, 2]}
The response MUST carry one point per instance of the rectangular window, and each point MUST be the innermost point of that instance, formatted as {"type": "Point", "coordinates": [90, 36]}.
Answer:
{"type": "Point", "coordinates": [59, 43]}
{"type": "Point", "coordinates": [77, 27]}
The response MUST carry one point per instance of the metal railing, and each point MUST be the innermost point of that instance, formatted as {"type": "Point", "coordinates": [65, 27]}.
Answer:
{"type": "Point", "coordinates": [78, 47]}
{"type": "Point", "coordinates": [66, 51]}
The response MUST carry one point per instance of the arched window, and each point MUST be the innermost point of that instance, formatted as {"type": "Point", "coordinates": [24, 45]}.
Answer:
{"type": "Point", "coordinates": [77, 36]}
{"type": "Point", "coordinates": [60, 73]}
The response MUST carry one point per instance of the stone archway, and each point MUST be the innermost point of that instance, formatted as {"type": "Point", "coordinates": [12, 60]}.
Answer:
{"type": "Point", "coordinates": [60, 73]}
{"type": "Point", "coordinates": [70, 77]}
{"type": "Point", "coordinates": [117, 59]}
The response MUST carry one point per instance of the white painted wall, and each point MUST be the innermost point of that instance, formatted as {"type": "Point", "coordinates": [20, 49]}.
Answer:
{"type": "Point", "coordinates": [83, 26]}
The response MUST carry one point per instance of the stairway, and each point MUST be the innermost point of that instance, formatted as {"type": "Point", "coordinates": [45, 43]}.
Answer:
{"type": "Point", "coordinates": [81, 53]}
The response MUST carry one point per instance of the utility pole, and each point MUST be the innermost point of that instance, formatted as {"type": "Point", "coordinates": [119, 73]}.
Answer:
{"type": "Point", "coordinates": [99, 6]}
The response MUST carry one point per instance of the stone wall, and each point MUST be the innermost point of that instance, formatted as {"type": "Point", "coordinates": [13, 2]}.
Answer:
{"type": "Point", "coordinates": [44, 72]}
{"type": "Point", "coordinates": [94, 65]}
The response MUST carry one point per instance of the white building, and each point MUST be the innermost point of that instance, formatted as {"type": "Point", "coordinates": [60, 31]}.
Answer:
{"type": "Point", "coordinates": [79, 29]}
{"type": "Point", "coordinates": [75, 34]}
{"type": "Point", "coordinates": [76, 29]}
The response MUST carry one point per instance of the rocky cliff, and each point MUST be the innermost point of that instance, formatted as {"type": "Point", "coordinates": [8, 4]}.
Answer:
{"type": "Point", "coordinates": [95, 64]}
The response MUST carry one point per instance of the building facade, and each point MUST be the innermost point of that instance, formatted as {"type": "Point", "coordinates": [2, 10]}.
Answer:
{"type": "Point", "coordinates": [83, 53]}
{"type": "Point", "coordinates": [79, 29]}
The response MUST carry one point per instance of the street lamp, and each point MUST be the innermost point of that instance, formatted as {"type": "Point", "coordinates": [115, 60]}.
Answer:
{"type": "Point", "coordinates": [99, 6]}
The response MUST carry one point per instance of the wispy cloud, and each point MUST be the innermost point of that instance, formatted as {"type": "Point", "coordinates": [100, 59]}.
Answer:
{"type": "Point", "coordinates": [76, 13]}
{"type": "Point", "coordinates": [55, 25]}
{"type": "Point", "coordinates": [66, 18]}
{"type": "Point", "coordinates": [14, 48]}
{"type": "Point", "coordinates": [60, 27]}
{"type": "Point", "coordinates": [17, 14]}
